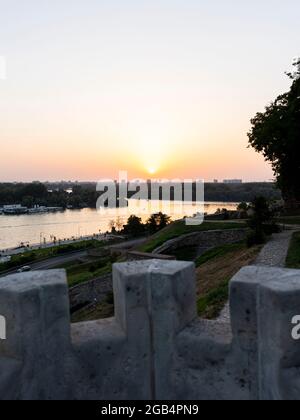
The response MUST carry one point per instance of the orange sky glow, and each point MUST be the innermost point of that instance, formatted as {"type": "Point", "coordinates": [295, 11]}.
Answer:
{"type": "Point", "coordinates": [162, 89]}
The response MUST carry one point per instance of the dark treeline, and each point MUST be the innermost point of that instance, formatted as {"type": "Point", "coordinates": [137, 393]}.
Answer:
{"type": "Point", "coordinates": [237, 193]}
{"type": "Point", "coordinates": [36, 193]}
{"type": "Point", "coordinates": [85, 194]}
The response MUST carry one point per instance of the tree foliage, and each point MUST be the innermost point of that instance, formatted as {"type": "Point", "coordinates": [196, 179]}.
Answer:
{"type": "Point", "coordinates": [276, 134]}
{"type": "Point", "coordinates": [261, 221]}
{"type": "Point", "coordinates": [134, 227]}
{"type": "Point", "coordinates": [157, 222]}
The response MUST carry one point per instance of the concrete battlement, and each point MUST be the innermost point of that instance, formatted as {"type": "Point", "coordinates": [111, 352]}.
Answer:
{"type": "Point", "coordinates": [155, 347]}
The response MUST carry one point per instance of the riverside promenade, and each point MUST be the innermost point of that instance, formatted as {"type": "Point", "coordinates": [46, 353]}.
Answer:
{"type": "Point", "coordinates": [34, 247]}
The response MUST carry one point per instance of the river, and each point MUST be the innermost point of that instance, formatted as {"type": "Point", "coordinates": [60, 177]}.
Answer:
{"type": "Point", "coordinates": [32, 229]}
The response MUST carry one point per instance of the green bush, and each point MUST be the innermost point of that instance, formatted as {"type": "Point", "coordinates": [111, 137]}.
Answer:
{"type": "Point", "coordinates": [293, 257]}
{"type": "Point", "coordinates": [271, 228]}
{"type": "Point", "coordinates": [256, 238]}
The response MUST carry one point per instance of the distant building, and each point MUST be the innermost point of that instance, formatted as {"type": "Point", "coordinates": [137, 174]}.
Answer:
{"type": "Point", "coordinates": [216, 181]}
{"type": "Point", "coordinates": [233, 181]}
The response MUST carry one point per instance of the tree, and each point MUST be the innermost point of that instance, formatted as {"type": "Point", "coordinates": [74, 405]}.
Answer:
{"type": "Point", "coordinates": [134, 226]}
{"type": "Point", "coordinates": [243, 207]}
{"type": "Point", "coordinates": [276, 134]}
{"type": "Point", "coordinates": [35, 189]}
{"type": "Point", "coordinates": [157, 222]}
{"type": "Point", "coordinates": [260, 221]}
{"type": "Point", "coordinates": [112, 226]}
{"type": "Point", "coordinates": [243, 210]}
{"type": "Point", "coordinates": [28, 201]}
{"type": "Point", "coordinates": [119, 224]}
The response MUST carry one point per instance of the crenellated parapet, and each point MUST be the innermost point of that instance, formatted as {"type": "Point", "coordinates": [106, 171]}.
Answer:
{"type": "Point", "coordinates": [155, 347]}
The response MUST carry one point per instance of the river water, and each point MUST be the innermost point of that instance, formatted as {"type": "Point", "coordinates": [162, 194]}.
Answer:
{"type": "Point", "coordinates": [32, 229]}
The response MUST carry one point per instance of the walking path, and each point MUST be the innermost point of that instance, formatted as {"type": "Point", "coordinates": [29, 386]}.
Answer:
{"type": "Point", "coordinates": [103, 237]}
{"type": "Point", "coordinates": [273, 254]}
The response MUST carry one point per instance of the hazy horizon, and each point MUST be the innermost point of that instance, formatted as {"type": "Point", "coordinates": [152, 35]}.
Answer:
{"type": "Point", "coordinates": [162, 89]}
{"type": "Point", "coordinates": [153, 179]}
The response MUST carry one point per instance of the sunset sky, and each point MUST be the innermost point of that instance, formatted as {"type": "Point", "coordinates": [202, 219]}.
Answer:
{"type": "Point", "coordinates": [163, 87]}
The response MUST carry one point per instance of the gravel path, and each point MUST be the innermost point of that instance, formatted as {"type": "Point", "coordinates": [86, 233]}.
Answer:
{"type": "Point", "coordinates": [275, 251]}
{"type": "Point", "coordinates": [273, 254]}
{"type": "Point", "coordinates": [224, 317]}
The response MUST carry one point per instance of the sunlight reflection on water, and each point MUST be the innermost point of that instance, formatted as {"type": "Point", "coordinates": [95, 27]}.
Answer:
{"type": "Point", "coordinates": [77, 223]}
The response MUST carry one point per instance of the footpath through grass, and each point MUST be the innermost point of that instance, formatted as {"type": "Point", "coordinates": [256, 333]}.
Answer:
{"type": "Point", "coordinates": [179, 228]}
{"type": "Point", "coordinates": [293, 257]}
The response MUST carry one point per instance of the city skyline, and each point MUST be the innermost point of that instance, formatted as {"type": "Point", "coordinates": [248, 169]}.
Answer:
{"type": "Point", "coordinates": [162, 89]}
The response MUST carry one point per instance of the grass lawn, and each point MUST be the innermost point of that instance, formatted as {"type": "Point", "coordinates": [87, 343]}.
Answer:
{"type": "Point", "coordinates": [293, 257]}
{"type": "Point", "coordinates": [80, 273]}
{"type": "Point", "coordinates": [179, 228]}
{"type": "Point", "coordinates": [218, 252]}
{"type": "Point", "coordinates": [185, 253]}
{"type": "Point", "coordinates": [42, 254]}
{"type": "Point", "coordinates": [97, 311]}
{"type": "Point", "coordinates": [215, 270]}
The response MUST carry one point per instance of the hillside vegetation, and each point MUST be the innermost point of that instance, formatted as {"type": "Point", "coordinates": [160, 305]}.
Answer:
{"type": "Point", "coordinates": [293, 257]}
{"type": "Point", "coordinates": [179, 228]}
{"type": "Point", "coordinates": [215, 270]}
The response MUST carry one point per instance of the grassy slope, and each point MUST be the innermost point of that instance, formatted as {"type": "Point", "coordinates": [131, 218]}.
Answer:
{"type": "Point", "coordinates": [215, 270]}
{"type": "Point", "coordinates": [293, 258]}
{"type": "Point", "coordinates": [179, 228]}
{"type": "Point", "coordinates": [81, 273]}
{"type": "Point", "coordinates": [98, 311]}
{"type": "Point", "coordinates": [218, 252]}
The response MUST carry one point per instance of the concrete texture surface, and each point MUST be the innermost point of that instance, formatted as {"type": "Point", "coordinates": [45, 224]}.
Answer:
{"type": "Point", "coordinates": [155, 348]}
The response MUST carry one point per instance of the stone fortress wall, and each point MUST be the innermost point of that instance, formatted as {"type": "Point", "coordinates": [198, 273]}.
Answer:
{"type": "Point", "coordinates": [204, 240]}
{"type": "Point", "coordinates": [155, 348]}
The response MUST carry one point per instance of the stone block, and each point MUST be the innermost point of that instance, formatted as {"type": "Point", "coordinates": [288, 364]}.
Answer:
{"type": "Point", "coordinates": [36, 308]}
{"type": "Point", "coordinates": [279, 352]}
{"type": "Point", "coordinates": [158, 297]}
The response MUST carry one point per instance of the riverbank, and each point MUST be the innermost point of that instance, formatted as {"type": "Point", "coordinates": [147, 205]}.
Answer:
{"type": "Point", "coordinates": [20, 250]}
{"type": "Point", "coordinates": [54, 256]}
{"type": "Point", "coordinates": [29, 230]}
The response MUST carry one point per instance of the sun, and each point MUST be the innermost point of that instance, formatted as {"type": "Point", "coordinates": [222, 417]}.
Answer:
{"type": "Point", "coordinates": [152, 170]}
